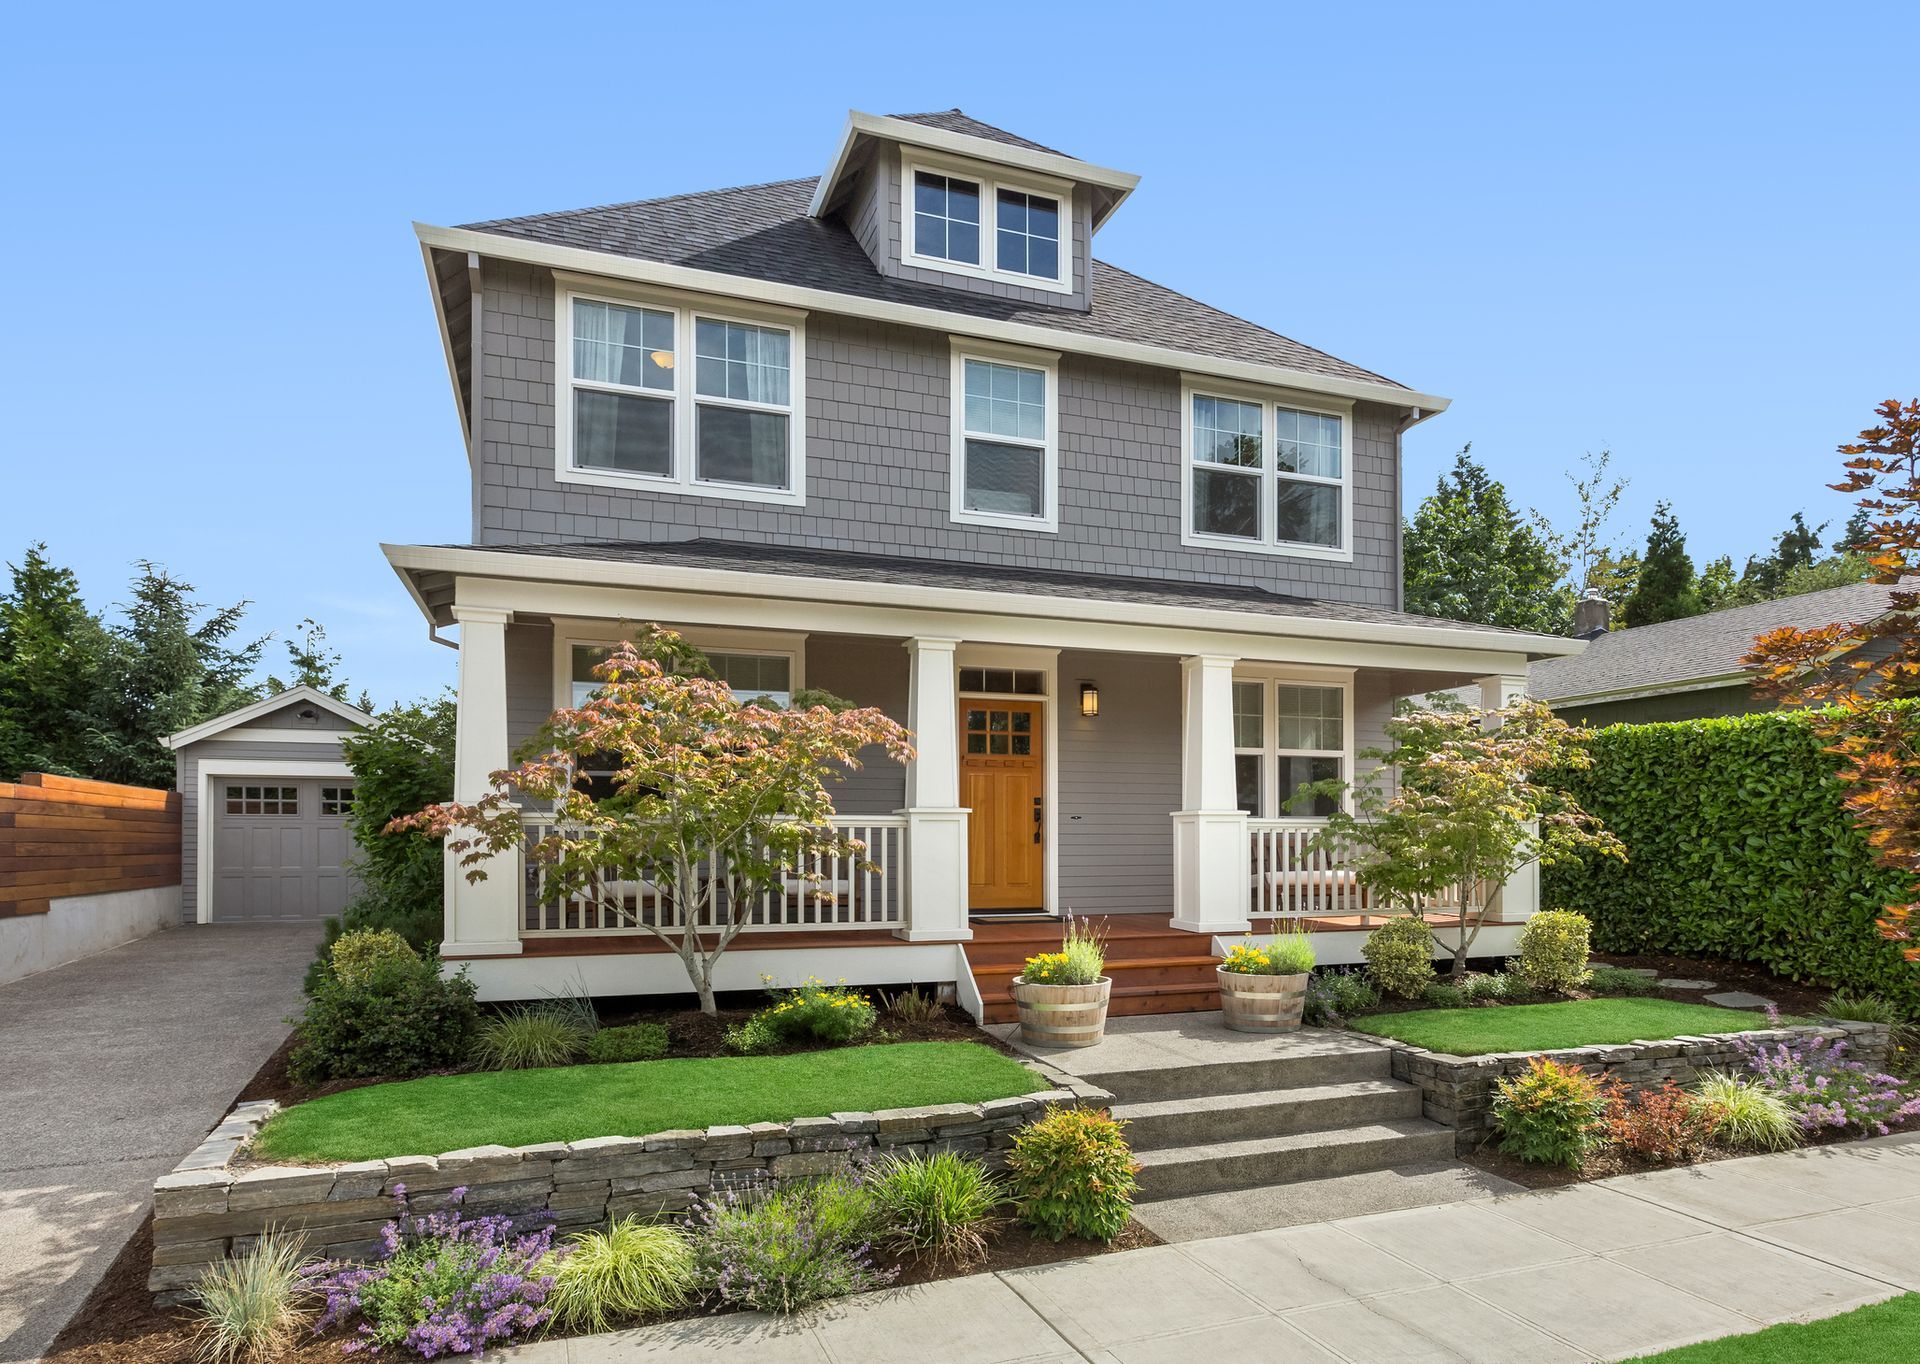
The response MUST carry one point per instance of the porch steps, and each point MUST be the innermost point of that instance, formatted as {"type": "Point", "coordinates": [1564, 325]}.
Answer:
{"type": "Point", "coordinates": [1155, 969]}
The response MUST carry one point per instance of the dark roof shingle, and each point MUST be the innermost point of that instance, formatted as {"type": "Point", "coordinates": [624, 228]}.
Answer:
{"type": "Point", "coordinates": [956, 121]}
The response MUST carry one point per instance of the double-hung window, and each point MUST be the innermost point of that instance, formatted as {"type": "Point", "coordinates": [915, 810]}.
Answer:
{"type": "Point", "coordinates": [1268, 476]}
{"type": "Point", "coordinates": [1005, 464]}
{"type": "Point", "coordinates": [673, 398]}
{"type": "Point", "coordinates": [972, 222]}
{"type": "Point", "coordinates": [1287, 735]}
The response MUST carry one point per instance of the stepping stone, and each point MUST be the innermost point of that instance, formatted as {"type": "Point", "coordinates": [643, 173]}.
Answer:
{"type": "Point", "coordinates": [1738, 999]}
{"type": "Point", "coordinates": [1673, 983]}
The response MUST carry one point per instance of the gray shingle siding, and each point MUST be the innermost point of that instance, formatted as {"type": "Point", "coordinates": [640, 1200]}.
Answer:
{"type": "Point", "coordinates": [877, 472]}
{"type": "Point", "coordinates": [874, 673]}
{"type": "Point", "coordinates": [1119, 781]}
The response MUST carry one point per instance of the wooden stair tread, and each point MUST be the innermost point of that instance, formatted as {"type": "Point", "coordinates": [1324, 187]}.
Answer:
{"type": "Point", "coordinates": [1120, 964]}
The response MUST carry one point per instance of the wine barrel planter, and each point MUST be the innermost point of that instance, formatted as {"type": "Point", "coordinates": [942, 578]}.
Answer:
{"type": "Point", "coordinates": [1062, 1015]}
{"type": "Point", "coordinates": [1259, 1003]}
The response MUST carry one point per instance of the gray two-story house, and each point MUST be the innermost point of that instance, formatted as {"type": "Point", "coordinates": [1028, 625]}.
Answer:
{"type": "Point", "coordinates": [1126, 564]}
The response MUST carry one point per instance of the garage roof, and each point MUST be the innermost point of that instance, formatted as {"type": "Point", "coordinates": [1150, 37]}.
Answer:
{"type": "Point", "coordinates": [267, 705]}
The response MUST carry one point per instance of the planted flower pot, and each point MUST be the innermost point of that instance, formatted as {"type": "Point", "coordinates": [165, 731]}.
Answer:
{"type": "Point", "coordinates": [1261, 1002]}
{"type": "Point", "coordinates": [1062, 1015]}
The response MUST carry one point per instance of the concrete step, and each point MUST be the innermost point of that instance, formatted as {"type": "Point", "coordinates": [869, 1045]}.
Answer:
{"type": "Point", "coordinates": [1265, 1113]}
{"type": "Point", "coordinates": [1233, 1212]}
{"type": "Point", "coordinates": [1293, 1064]}
{"type": "Point", "coordinates": [1183, 1171]}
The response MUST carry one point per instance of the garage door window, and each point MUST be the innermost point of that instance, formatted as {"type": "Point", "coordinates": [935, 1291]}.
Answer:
{"type": "Point", "coordinates": [263, 800]}
{"type": "Point", "coordinates": [336, 800]}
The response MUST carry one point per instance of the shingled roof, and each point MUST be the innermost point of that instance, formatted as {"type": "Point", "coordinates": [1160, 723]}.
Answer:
{"type": "Point", "coordinates": [1653, 658]}
{"type": "Point", "coordinates": [766, 232]}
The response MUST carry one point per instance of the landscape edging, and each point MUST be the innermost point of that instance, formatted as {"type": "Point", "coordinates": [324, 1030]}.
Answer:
{"type": "Point", "coordinates": [206, 1209]}
{"type": "Point", "coordinates": [1458, 1091]}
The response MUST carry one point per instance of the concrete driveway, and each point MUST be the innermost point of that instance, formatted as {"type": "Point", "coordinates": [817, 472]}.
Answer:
{"type": "Point", "coordinates": [111, 1069]}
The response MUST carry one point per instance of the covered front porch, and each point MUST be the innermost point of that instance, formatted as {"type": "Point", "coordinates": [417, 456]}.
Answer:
{"type": "Point", "coordinates": [1141, 770]}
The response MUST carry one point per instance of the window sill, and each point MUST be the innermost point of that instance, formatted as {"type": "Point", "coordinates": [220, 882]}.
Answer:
{"type": "Point", "coordinates": [1044, 525]}
{"type": "Point", "coordinates": [1195, 540]}
{"type": "Point", "coordinates": [650, 483]}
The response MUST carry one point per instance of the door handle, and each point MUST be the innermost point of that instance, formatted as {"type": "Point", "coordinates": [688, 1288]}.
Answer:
{"type": "Point", "coordinates": [1038, 821]}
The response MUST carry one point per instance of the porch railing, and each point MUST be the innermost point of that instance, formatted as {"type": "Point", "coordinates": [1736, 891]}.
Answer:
{"type": "Point", "coordinates": [840, 894]}
{"type": "Point", "coordinates": [1292, 878]}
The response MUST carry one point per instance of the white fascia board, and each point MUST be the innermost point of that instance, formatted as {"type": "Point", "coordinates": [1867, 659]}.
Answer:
{"type": "Point", "coordinates": [717, 284]}
{"type": "Point", "coordinates": [482, 563]}
{"type": "Point", "coordinates": [266, 705]}
{"type": "Point", "coordinates": [858, 125]}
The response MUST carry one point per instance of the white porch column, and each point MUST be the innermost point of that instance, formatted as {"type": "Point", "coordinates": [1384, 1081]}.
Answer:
{"type": "Point", "coordinates": [1520, 897]}
{"type": "Point", "coordinates": [936, 881]}
{"type": "Point", "coordinates": [482, 918]}
{"type": "Point", "coordinates": [1211, 858]}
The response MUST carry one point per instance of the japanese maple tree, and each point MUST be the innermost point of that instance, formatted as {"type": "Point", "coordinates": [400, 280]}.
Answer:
{"type": "Point", "coordinates": [718, 802]}
{"type": "Point", "coordinates": [1846, 672]}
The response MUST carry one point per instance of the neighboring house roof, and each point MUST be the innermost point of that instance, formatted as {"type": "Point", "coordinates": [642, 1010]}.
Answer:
{"type": "Point", "coordinates": [1696, 651]}
{"type": "Point", "coordinates": [776, 560]}
{"type": "Point", "coordinates": [766, 232]}
{"type": "Point", "coordinates": [267, 705]}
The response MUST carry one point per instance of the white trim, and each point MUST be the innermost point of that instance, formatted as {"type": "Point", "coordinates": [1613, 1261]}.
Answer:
{"type": "Point", "coordinates": [607, 266]}
{"type": "Point", "coordinates": [1270, 676]}
{"type": "Point", "coordinates": [1197, 386]}
{"type": "Point", "coordinates": [858, 125]}
{"type": "Point", "coordinates": [641, 582]}
{"type": "Point", "coordinates": [203, 822]}
{"type": "Point", "coordinates": [266, 705]}
{"type": "Point", "coordinates": [569, 631]}
{"type": "Point", "coordinates": [1047, 663]}
{"type": "Point", "coordinates": [263, 735]}
{"type": "Point", "coordinates": [1048, 363]}
{"type": "Point", "coordinates": [990, 182]}
{"type": "Point", "coordinates": [687, 311]}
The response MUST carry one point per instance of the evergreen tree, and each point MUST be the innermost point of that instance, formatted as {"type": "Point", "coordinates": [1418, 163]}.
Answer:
{"type": "Point", "coordinates": [1665, 590]}
{"type": "Point", "coordinates": [1796, 547]}
{"type": "Point", "coordinates": [313, 664]}
{"type": "Point", "coordinates": [165, 671]}
{"type": "Point", "coordinates": [51, 647]}
{"type": "Point", "coordinates": [1718, 586]}
{"type": "Point", "coordinates": [1470, 557]}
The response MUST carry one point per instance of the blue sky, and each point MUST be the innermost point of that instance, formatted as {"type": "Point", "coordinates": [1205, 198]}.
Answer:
{"type": "Point", "coordinates": [1685, 233]}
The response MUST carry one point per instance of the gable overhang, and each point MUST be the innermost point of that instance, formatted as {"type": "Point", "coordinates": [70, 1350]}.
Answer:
{"type": "Point", "coordinates": [436, 575]}
{"type": "Point", "coordinates": [715, 284]}
{"type": "Point", "coordinates": [1110, 187]}
{"type": "Point", "coordinates": [1648, 689]}
{"type": "Point", "coordinates": [265, 706]}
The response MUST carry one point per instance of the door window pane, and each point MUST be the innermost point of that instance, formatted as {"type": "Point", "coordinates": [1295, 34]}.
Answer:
{"type": "Point", "coordinates": [622, 431]}
{"type": "Point", "coordinates": [1226, 503]}
{"type": "Point", "coordinates": [738, 445]}
{"type": "Point", "coordinates": [1307, 513]}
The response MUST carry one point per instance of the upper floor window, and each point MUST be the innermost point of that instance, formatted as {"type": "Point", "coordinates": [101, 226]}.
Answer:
{"type": "Point", "coordinates": [677, 399]}
{"type": "Point", "coordinates": [1005, 463]}
{"type": "Point", "coordinates": [1267, 476]}
{"type": "Point", "coordinates": [976, 224]}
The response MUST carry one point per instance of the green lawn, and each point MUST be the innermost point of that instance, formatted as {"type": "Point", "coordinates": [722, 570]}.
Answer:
{"type": "Point", "coordinates": [521, 1107]}
{"type": "Point", "coordinates": [1546, 1027]}
{"type": "Point", "coordinates": [1885, 1333]}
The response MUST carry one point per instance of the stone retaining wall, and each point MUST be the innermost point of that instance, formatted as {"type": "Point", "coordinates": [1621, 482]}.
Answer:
{"type": "Point", "coordinates": [1458, 1090]}
{"type": "Point", "coordinates": [214, 1205]}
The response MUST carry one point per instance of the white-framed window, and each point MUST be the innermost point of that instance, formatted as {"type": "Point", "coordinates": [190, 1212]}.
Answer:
{"type": "Point", "coordinates": [976, 220]}
{"type": "Point", "coordinates": [751, 677]}
{"type": "Point", "coordinates": [757, 665]}
{"type": "Point", "coordinates": [1288, 733]}
{"type": "Point", "coordinates": [664, 393]}
{"type": "Point", "coordinates": [1266, 472]}
{"type": "Point", "coordinates": [1005, 462]}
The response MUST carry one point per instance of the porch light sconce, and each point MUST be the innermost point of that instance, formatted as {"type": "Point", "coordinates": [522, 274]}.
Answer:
{"type": "Point", "coordinates": [1089, 700]}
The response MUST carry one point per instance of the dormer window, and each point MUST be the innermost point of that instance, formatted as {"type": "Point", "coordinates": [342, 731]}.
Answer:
{"type": "Point", "coordinates": [981, 223]}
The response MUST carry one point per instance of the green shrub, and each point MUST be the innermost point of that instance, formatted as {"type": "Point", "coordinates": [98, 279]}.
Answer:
{"type": "Point", "coordinates": [1440, 995]}
{"type": "Point", "coordinates": [633, 1269]}
{"type": "Point", "coordinates": [1399, 956]}
{"type": "Point", "coordinates": [633, 1042]}
{"type": "Point", "coordinates": [1554, 946]}
{"type": "Point", "coordinates": [1616, 980]}
{"type": "Point", "coordinates": [1073, 1174]}
{"type": "Point", "coordinates": [355, 954]}
{"type": "Point", "coordinates": [753, 1037]}
{"type": "Point", "coordinates": [911, 1007]}
{"type": "Point", "coordinates": [1335, 996]}
{"type": "Point", "coordinates": [403, 1019]}
{"type": "Point", "coordinates": [813, 1011]}
{"type": "Point", "coordinates": [1740, 849]}
{"type": "Point", "coordinates": [779, 1250]}
{"type": "Point", "coordinates": [1551, 1115]}
{"type": "Point", "coordinates": [1864, 1007]}
{"type": "Point", "coordinates": [1748, 1115]}
{"type": "Point", "coordinates": [1081, 960]}
{"type": "Point", "coordinates": [1499, 988]}
{"type": "Point", "coordinates": [247, 1309]}
{"type": "Point", "coordinates": [530, 1037]}
{"type": "Point", "coordinates": [937, 1208]}
{"type": "Point", "coordinates": [1288, 954]}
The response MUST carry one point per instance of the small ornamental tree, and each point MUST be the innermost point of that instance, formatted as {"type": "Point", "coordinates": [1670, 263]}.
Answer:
{"type": "Point", "coordinates": [1845, 671]}
{"type": "Point", "coordinates": [1455, 810]}
{"type": "Point", "coordinates": [719, 803]}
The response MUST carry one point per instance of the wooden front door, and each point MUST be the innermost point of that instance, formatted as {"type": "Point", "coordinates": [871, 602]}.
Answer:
{"type": "Point", "coordinates": [1003, 782]}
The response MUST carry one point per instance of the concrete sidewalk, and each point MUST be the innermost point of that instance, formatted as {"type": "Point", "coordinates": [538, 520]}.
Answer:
{"type": "Point", "coordinates": [1607, 1270]}
{"type": "Point", "coordinates": [111, 1068]}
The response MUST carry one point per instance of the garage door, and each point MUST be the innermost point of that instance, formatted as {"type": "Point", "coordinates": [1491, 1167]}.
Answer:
{"type": "Point", "coordinates": [280, 848]}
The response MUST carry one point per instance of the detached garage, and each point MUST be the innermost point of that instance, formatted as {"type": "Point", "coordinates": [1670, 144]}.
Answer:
{"type": "Point", "coordinates": [265, 795]}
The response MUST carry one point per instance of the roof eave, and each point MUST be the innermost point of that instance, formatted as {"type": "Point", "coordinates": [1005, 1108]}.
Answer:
{"type": "Point", "coordinates": [266, 705]}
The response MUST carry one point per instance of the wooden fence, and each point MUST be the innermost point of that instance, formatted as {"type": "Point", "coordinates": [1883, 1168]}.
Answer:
{"type": "Point", "coordinates": [62, 836]}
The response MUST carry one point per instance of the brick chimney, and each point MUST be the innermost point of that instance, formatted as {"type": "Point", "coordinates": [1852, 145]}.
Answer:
{"type": "Point", "coordinates": [1592, 616]}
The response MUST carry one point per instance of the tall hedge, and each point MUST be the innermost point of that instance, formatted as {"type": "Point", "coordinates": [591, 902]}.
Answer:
{"type": "Point", "coordinates": [1738, 847]}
